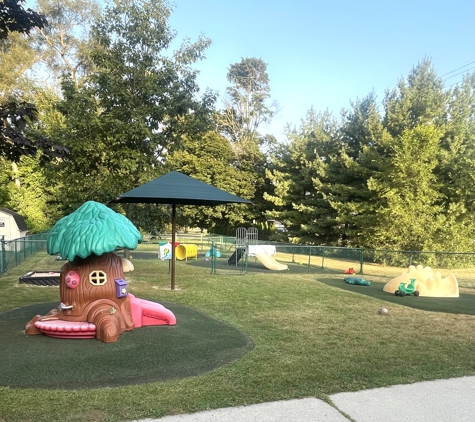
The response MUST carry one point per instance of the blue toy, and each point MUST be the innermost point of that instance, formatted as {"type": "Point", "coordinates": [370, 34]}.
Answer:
{"type": "Point", "coordinates": [358, 281]}
{"type": "Point", "coordinates": [213, 252]}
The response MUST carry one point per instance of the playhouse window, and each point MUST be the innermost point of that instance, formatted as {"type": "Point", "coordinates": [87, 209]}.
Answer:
{"type": "Point", "coordinates": [98, 278]}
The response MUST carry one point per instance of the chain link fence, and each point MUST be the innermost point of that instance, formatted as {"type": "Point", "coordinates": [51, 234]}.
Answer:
{"type": "Point", "coordinates": [372, 262]}
{"type": "Point", "coordinates": [461, 264]}
{"type": "Point", "coordinates": [299, 258]}
{"type": "Point", "coordinates": [14, 252]}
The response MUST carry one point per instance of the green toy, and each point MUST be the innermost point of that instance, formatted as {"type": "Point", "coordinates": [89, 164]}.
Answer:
{"type": "Point", "coordinates": [358, 281]}
{"type": "Point", "coordinates": [410, 289]}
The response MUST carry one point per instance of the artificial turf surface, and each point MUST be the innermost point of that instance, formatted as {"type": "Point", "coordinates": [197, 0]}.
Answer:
{"type": "Point", "coordinates": [198, 343]}
{"type": "Point", "coordinates": [464, 304]}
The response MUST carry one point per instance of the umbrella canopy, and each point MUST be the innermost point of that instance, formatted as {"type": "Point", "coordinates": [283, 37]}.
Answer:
{"type": "Point", "coordinates": [178, 189]}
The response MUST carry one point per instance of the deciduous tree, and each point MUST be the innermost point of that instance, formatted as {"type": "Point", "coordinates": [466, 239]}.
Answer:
{"type": "Point", "coordinates": [210, 158]}
{"type": "Point", "coordinates": [245, 103]}
{"type": "Point", "coordinates": [247, 108]}
{"type": "Point", "coordinates": [16, 114]}
{"type": "Point", "coordinates": [14, 18]}
{"type": "Point", "coordinates": [63, 45]}
{"type": "Point", "coordinates": [135, 105]}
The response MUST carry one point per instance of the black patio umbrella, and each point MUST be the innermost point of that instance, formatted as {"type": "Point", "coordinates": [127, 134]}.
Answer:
{"type": "Point", "coordinates": [178, 189]}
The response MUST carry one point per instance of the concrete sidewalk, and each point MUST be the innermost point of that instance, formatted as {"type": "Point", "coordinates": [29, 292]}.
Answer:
{"type": "Point", "coordinates": [451, 400]}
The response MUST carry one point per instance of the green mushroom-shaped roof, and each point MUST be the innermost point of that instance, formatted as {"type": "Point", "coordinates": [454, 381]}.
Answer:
{"type": "Point", "coordinates": [92, 229]}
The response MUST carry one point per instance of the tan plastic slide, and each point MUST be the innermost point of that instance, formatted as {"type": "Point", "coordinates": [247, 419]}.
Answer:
{"type": "Point", "coordinates": [270, 263]}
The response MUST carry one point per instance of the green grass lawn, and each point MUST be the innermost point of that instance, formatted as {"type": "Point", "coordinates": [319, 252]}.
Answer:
{"type": "Point", "coordinates": [310, 338]}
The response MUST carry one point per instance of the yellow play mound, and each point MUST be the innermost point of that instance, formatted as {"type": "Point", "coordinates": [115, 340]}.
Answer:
{"type": "Point", "coordinates": [428, 283]}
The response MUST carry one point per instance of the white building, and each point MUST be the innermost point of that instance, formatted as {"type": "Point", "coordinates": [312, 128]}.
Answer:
{"type": "Point", "coordinates": [12, 225]}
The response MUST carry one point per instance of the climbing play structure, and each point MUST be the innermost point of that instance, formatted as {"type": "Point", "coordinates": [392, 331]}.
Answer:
{"type": "Point", "coordinates": [94, 297]}
{"type": "Point", "coordinates": [425, 281]}
{"type": "Point", "coordinates": [243, 238]}
{"type": "Point", "coordinates": [247, 245]}
{"type": "Point", "coordinates": [269, 262]}
{"type": "Point", "coordinates": [238, 253]}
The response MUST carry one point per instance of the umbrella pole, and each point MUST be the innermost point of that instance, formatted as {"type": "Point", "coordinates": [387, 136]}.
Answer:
{"type": "Point", "coordinates": [172, 287]}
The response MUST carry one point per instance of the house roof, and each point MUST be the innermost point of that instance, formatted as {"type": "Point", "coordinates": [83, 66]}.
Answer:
{"type": "Point", "coordinates": [19, 220]}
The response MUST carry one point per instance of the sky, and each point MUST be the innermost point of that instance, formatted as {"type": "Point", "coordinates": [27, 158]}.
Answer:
{"type": "Point", "coordinates": [326, 54]}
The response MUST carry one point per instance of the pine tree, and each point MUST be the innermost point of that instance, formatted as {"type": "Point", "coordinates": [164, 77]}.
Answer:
{"type": "Point", "coordinates": [358, 159]}
{"type": "Point", "coordinates": [407, 210]}
{"type": "Point", "coordinates": [299, 176]}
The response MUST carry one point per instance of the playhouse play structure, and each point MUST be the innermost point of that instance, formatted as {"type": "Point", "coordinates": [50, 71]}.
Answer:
{"type": "Point", "coordinates": [425, 281]}
{"type": "Point", "coordinates": [247, 244]}
{"type": "Point", "coordinates": [95, 302]}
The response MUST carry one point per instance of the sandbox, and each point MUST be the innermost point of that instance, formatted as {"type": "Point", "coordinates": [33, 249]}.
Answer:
{"type": "Point", "coordinates": [41, 278]}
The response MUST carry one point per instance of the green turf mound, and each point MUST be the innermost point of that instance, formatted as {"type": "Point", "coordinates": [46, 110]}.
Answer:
{"type": "Point", "coordinates": [465, 304]}
{"type": "Point", "coordinates": [197, 344]}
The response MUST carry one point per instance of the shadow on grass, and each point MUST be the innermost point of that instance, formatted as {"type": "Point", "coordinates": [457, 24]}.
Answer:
{"type": "Point", "coordinates": [465, 304]}
{"type": "Point", "coordinates": [197, 344]}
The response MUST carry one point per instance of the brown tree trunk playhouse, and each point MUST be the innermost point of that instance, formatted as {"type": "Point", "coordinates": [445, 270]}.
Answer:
{"type": "Point", "coordinates": [95, 302]}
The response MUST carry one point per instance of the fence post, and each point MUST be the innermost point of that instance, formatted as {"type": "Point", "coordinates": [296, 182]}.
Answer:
{"type": "Point", "coordinates": [309, 258]}
{"type": "Point", "coordinates": [213, 259]}
{"type": "Point", "coordinates": [3, 262]}
{"type": "Point", "coordinates": [361, 260]}
{"type": "Point", "coordinates": [246, 252]}
{"type": "Point", "coordinates": [323, 257]}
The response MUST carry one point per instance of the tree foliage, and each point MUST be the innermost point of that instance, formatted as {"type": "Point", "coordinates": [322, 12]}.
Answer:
{"type": "Point", "coordinates": [63, 44]}
{"type": "Point", "coordinates": [397, 179]}
{"type": "Point", "coordinates": [14, 120]}
{"type": "Point", "coordinates": [246, 110]}
{"type": "Point", "coordinates": [16, 115]}
{"type": "Point", "coordinates": [133, 108]}
{"type": "Point", "coordinates": [210, 158]}
{"type": "Point", "coordinates": [17, 56]}
{"type": "Point", "coordinates": [299, 176]}
{"type": "Point", "coordinates": [359, 158]}
{"type": "Point", "coordinates": [245, 104]}
{"type": "Point", "coordinates": [14, 18]}
{"type": "Point", "coordinates": [28, 194]}
{"type": "Point", "coordinates": [407, 193]}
